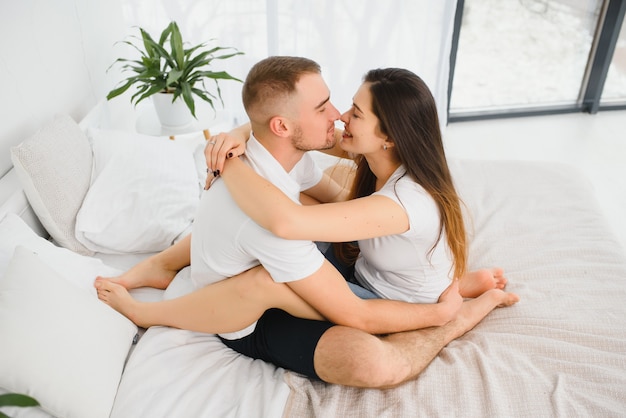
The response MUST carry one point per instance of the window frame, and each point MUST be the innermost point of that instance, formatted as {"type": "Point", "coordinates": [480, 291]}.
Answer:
{"type": "Point", "coordinates": [589, 99]}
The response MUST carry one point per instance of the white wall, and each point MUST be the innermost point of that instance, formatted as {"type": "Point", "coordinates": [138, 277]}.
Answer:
{"type": "Point", "coordinates": [54, 54]}
{"type": "Point", "coordinates": [346, 37]}
{"type": "Point", "coordinates": [53, 59]}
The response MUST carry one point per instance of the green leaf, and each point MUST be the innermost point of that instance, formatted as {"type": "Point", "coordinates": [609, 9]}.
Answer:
{"type": "Point", "coordinates": [166, 33]}
{"type": "Point", "coordinates": [204, 96]}
{"type": "Point", "coordinates": [222, 75]}
{"type": "Point", "coordinates": [149, 92]}
{"type": "Point", "coordinates": [173, 77]}
{"type": "Point", "coordinates": [120, 90]}
{"type": "Point", "coordinates": [188, 98]}
{"type": "Point", "coordinates": [148, 43]}
{"type": "Point", "coordinates": [16, 399]}
{"type": "Point", "coordinates": [176, 43]}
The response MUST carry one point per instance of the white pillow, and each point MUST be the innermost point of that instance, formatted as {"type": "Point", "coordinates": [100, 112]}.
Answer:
{"type": "Point", "coordinates": [143, 196]}
{"type": "Point", "coordinates": [54, 168]}
{"type": "Point", "coordinates": [75, 268]}
{"type": "Point", "coordinates": [59, 344]}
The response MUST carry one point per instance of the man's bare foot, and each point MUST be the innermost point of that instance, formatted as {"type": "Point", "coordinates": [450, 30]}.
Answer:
{"type": "Point", "coordinates": [117, 297]}
{"type": "Point", "coordinates": [147, 273]}
{"type": "Point", "coordinates": [475, 283]}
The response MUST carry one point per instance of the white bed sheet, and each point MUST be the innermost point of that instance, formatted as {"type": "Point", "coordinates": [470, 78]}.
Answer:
{"type": "Point", "coordinates": [177, 373]}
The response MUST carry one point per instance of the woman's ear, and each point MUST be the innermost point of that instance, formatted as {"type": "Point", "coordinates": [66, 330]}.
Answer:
{"type": "Point", "coordinates": [388, 144]}
{"type": "Point", "coordinates": [279, 126]}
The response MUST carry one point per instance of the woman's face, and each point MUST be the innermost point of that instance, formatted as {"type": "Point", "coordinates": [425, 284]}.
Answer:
{"type": "Point", "coordinates": [361, 134]}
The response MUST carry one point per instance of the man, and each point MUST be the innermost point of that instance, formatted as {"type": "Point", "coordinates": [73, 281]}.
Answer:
{"type": "Point", "coordinates": [289, 107]}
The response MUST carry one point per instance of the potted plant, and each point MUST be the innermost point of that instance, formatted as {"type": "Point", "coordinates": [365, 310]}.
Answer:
{"type": "Point", "coordinates": [172, 73]}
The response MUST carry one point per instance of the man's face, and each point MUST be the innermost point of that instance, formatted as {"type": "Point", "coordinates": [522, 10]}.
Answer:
{"type": "Point", "coordinates": [315, 123]}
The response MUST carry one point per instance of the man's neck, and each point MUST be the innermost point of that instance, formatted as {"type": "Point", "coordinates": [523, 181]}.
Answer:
{"type": "Point", "coordinates": [282, 150]}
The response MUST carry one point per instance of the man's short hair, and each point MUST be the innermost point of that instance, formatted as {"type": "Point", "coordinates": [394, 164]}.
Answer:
{"type": "Point", "coordinates": [270, 82]}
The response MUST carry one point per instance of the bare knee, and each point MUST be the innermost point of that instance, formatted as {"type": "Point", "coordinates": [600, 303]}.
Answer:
{"type": "Point", "coordinates": [351, 357]}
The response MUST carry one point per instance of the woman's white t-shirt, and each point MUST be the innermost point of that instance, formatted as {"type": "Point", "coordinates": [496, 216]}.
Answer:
{"type": "Point", "coordinates": [402, 266]}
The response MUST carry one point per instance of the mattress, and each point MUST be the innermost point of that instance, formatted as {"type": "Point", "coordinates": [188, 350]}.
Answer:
{"type": "Point", "coordinates": [561, 351]}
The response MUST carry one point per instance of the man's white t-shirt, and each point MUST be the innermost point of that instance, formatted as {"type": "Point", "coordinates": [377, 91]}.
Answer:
{"type": "Point", "coordinates": [400, 266]}
{"type": "Point", "coordinates": [226, 242]}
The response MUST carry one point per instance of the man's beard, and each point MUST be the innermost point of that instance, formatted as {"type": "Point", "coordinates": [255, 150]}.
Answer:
{"type": "Point", "coordinates": [300, 144]}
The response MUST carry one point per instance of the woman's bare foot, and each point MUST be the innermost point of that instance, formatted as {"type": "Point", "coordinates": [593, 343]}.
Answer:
{"type": "Point", "coordinates": [117, 297]}
{"type": "Point", "coordinates": [475, 283]}
{"type": "Point", "coordinates": [147, 273]}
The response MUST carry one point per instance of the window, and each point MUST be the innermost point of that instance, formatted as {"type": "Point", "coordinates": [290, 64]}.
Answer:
{"type": "Point", "coordinates": [614, 91]}
{"type": "Point", "coordinates": [535, 56]}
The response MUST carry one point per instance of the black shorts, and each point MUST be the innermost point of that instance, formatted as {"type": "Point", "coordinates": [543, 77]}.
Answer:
{"type": "Point", "coordinates": [284, 340]}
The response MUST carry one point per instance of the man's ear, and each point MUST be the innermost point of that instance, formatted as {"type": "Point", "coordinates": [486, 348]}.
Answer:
{"type": "Point", "coordinates": [279, 126]}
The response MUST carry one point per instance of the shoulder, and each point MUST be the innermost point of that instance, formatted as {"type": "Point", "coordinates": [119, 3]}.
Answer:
{"type": "Point", "coordinates": [306, 172]}
{"type": "Point", "coordinates": [401, 184]}
{"type": "Point", "coordinates": [408, 193]}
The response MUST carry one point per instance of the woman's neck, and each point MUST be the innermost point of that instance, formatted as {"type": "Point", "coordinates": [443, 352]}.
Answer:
{"type": "Point", "coordinates": [382, 167]}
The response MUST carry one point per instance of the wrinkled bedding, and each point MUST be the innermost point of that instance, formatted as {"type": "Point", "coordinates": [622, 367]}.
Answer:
{"type": "Point", "coordinates": [561, 351]}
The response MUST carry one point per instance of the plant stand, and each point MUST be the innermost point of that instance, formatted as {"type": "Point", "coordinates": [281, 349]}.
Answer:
{"type": "Point", "coordinates": [148, 123]}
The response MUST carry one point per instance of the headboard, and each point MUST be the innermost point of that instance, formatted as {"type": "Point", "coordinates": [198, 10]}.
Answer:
{"type": "Point", "coordinates": [13, 200]}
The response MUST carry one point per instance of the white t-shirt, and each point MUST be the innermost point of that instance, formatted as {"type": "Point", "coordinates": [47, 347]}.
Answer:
{"type": "Point", "coordinates": [399, 266]}
{"type": "Point", "coordinates": [226, 242]}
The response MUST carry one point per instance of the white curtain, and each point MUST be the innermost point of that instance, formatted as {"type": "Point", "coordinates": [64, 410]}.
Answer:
{"type": "Point", "coordinates": [346, 37]}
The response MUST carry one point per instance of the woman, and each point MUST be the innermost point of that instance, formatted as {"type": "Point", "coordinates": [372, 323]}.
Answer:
{"type": "Point", "coordinates": [380, 215]}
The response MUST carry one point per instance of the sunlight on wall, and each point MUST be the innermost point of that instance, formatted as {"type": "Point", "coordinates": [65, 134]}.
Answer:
{"type": "Point", "coordinates": [346, 37]}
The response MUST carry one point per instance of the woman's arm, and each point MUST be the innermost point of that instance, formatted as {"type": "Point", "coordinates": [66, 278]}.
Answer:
{"type": "Point", "coordinates": [367, 217]}
{"type": "Point", "coordinates": [233, 144]}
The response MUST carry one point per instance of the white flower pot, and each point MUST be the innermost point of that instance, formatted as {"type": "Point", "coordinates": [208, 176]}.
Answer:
{"type": "Point", "coordinates": [171, 115]}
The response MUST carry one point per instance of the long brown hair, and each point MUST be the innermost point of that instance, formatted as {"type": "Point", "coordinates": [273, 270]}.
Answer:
{"type": "Point", "coordinates": [407, 114]}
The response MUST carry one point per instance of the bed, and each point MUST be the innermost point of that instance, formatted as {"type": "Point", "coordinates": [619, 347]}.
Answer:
{"type": "Point", "coordinates": [561, 351]}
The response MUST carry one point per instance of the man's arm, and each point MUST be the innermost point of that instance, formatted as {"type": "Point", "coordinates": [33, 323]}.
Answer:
{"type": "Point", "coordinates": [327, 190]}
{"type": "Point", "coordinates": [327, 291]}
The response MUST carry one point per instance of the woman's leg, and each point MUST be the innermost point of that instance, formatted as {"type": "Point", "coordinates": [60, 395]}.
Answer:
{"type": "Point", "coordinates": [226, 306]}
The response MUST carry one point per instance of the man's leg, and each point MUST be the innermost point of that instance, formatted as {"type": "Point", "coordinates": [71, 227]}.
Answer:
{"type": "Point", "coordinates": [351, 357]}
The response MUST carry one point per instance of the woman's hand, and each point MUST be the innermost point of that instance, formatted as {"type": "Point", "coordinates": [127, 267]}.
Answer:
{"type": "Point", "coordinates": [222, 146]}
{"type": "Point", "coordinates": [450, 303]}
